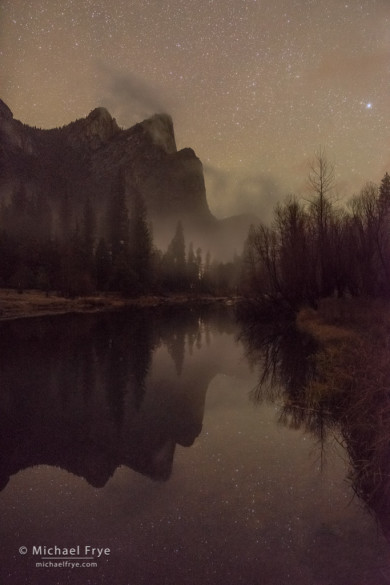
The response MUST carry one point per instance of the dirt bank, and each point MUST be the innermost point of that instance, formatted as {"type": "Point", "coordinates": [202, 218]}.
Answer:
{"type": "Point", "coordinates": [33, 303]}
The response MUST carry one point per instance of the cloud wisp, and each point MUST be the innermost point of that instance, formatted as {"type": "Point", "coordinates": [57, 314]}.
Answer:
{"type": "Point", "coordinates": [231, 193]}
{"type": "Point", "coordinates": [128, 97]}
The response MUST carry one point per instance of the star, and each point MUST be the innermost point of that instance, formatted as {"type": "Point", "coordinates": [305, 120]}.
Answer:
{"type": "Point", "coordinates": [300, 72]}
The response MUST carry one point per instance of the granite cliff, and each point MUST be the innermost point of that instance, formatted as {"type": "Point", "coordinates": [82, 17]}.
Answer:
{"type": "Point", "coordinates": [84, 158]}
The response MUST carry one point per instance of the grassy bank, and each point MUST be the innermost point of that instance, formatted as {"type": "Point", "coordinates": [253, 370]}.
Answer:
{"type": "Point", "coordinates": [354, 340]}
{"type": "Point", "coordinates": [33, 303]}
{"type": "Point", "coordinates": [353, 380]}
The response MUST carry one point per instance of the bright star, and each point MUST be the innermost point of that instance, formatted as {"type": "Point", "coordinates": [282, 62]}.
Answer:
{"type": "Point", "coordinates": [369, 106]}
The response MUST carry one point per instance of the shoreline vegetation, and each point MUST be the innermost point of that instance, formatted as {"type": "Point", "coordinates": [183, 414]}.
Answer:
{"type": "Point", "coordinates": [352, 365]}
{"type": "Point", "coordinates": [353, 333]}
{"type": "Point", "coordinates": [35, 303]}
{"type": "Point", "coordinates": [352, 382]}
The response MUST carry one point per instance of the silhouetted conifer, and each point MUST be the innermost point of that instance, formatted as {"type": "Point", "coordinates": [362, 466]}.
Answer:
{"type": "Point", "coordinates": [140, 241]}
{"type": "Point", "coordinates": [384, 193]}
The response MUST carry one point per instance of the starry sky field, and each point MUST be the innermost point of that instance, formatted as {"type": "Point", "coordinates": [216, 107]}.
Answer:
{"type": "Point", "coordinates": [254, 86]}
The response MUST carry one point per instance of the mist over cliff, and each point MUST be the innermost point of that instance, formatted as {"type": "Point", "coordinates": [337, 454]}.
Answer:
{"type": "Point", "coordinates": [82, 161]}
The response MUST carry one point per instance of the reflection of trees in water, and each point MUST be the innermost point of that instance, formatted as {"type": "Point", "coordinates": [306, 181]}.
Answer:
{"type": "Point", "coordinates": [175, 344]}
{"type": "Point", "coordinates": [127, 361]}
{"type": "Point", "coordinates": [182, 328]}
{"type": "Point", "coordinates": [365, 425]}
{"type": "Point", "coordinates": [359, 420]}
{"type": "Point", "coordinates": [74, 388]}
{"type": "Point", "coordinates": [65, 381]}
{"type": "Point", "coordinates": [283, 357]}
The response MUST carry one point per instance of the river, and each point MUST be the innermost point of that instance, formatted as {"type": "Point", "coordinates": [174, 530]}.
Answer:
{"type": "Point", "coordinates": [160, 447]}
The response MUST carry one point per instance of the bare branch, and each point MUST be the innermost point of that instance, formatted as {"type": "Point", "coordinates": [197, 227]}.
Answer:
{"type": "Point", "coordinates": [322, 175]}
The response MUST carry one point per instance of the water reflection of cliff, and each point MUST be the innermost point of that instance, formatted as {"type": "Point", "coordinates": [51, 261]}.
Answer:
{"type": "Point", "coordinates": [78, 392]}
{"type": "Point", "coordinates": [286, 365]}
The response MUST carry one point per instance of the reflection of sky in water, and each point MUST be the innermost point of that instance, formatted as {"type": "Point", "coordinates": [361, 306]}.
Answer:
{"type": "Point", "coordinates": [251, 501]}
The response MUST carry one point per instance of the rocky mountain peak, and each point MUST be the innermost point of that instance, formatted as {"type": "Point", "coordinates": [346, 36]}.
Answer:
{"type": "Point", "coordinates": [5, 112]}
{"type": "Point", "coordinates": [96, 129]}
{"type": "Point", "coordinates": [100, 113]}
{"type": "Point", "coordinates": [12, 133]}
{"type": "Point", "coordinates": [84, 159]}
{"type": "Point", "coordinates": [160, 129]}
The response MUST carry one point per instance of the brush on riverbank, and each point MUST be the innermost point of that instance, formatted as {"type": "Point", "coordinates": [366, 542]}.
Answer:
{"type": "Point", "coordinates": [353, 380]}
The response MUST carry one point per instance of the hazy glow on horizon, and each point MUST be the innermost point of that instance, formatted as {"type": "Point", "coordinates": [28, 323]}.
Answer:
{"type": "Point", "coordinates": [255, 87]}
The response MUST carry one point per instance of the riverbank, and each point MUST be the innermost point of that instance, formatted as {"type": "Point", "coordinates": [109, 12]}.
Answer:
{"type": "Point", "coordinates": [32, 303]}
{"type": "Point", "coordinates": [341, 317]}
{"type": "Point", "coordinates": [353, 336]}
{"type": "Point", "coordinates": [352, 383]}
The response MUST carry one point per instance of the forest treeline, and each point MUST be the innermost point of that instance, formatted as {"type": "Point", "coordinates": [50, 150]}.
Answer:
{"type": "Point", "coordinates": [313, 249]}
{"type": "Point", "coordinates": [78, 252]}
{"type": "Point", "coordinates": [317, 248]}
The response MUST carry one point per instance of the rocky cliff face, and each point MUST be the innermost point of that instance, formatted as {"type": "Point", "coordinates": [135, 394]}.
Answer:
{"type": "Point", "coordinates": [84, 159]}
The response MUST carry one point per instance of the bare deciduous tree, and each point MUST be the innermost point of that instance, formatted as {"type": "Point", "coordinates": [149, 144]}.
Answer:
{"type": "Point", "coordinates": [321, 180]}
{"type": "Point", "coordinates": [322, 174]}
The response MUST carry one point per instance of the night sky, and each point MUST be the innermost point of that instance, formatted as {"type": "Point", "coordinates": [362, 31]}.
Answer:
{"type": "Point", "coordinates": [255, 87]}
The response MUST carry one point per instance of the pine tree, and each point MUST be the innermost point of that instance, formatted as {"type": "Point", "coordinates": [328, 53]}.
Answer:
{"type": "Point", "coordinates": [118, 220]}
{"type": "Point", "coordinates": [175, 260]}
{"type": "Point", "coordinates": [206, 273]}
{"type": "Point", "coordinates": [140, 241]}
{"type": "Point", "coordinates": [8, 257]}
{"type": "Point", "coordinates": [176, 248]}
{"type": "Point", "coordinates": [384, 194]}
{"type": "Point", "coordinates": [199, 267]}
{"type": "Point", "coordinates": [192, 269]}
{"type": "Point", "coordinates": [88, 233]}
{"type": "Point", "coordinates": [118, 237]}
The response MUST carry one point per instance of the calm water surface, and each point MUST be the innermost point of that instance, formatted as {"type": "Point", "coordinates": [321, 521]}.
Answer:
{"type": "Point", "coordinates": [147, 433]}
